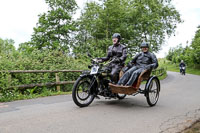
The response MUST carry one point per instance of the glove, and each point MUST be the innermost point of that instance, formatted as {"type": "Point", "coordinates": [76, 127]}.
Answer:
{"type": "Point", "coordinates": [147, 67]}
{"type": "Point", "coordinates": [124, 69]}
{"type": "Point", "coordinates": [99, 60]}
{"type": "Point", "coordinates": [116, 60]}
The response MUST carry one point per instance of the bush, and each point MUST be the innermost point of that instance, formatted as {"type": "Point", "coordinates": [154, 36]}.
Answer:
{"type": "Point", "coordinates": [37, 60]}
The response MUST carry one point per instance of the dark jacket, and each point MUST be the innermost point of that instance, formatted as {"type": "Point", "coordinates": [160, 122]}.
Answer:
{"type": "Point", "coordinates": [116, 51]}
{"type": "Point", "coordinates": [142, 61]}
{"type": "Point", "coordinates": [182, 64]}
{"type": "Point", "coordinates": [147, 60]}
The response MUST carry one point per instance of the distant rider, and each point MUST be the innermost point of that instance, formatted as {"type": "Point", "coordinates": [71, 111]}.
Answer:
{"type": "Point", "coordinates": [118, 53]}
{"type": "Point", "coordinates": [181, 65]}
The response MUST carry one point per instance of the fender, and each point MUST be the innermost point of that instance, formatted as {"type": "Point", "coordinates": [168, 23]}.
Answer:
{"type": "Point", "coordinates": [85, 73]}
{"type": "Point", "coordinates": [149, 81]}
{"type": "Point", "coordinates": [94, 85]}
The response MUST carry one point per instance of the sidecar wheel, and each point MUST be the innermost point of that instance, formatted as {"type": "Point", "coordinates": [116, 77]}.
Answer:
{"type": "Point", "coordinates": [121, 96]}
{"type": "Point", "coordinates": [81, 93]}
{"type": "Point", "coordinates": [152, 91]}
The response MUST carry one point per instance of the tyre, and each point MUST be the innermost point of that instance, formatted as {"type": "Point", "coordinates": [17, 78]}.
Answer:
{"type": "Point", "coordinates": [184, 72]}
{"type": "Point", "coordinates": [121, 96]}
{"type": "Point", "coordinates": [81, 92]}
{"type": "Point", "coordinates": [152, 91]}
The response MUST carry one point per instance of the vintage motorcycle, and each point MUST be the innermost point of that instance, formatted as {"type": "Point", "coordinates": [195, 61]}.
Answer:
{"type": "Point", "coordinates": [92, 83]}
{"type": "Point", "coordinates": [97, 82]}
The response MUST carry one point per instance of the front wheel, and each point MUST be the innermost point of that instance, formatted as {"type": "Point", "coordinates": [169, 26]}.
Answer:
{"type": "Point", "coordinates": [81, 92]}
{"type": "Point", "coordinates": [183, 72]}
{"type": "Point", "coordinates": [152, 91]}
{"type": "Point", "coordinates": [121, 96]}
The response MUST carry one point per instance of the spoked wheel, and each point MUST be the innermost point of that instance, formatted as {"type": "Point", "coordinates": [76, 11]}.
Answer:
{"type": "Point", "coordinates": [121, 96]}
{"type": "Point", "coordinates": [81, 94]}
{"type": "Point", "coordinates": [152, 91]}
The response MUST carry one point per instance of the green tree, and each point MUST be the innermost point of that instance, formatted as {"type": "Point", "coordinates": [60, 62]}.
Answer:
{"type": "Point", "coordinates": [190, 54]}
{"type": "Point", "coordinates": [170, 54]}
{"type": "Point", "coordinates": [196, 46]}
{"type": "Point", "coordinates": [135, 20]}
{"type": "Point", "coordinates": [176, 54]}
{"type": "Point", "coordinates": [54, 28]}
{"type": "Point", "coordinates": [6, 46]}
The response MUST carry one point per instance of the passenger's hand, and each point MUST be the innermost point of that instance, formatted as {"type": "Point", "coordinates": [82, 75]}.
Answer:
{"type": "Point", "coordinates": [147, 67]}
{"type": "Point", "coordinates": [124, 69]}
{"type": "Point", "coordinates": [129, 65]}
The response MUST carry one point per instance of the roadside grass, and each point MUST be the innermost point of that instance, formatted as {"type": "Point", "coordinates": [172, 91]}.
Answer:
{"type": "Point", "coordinates": [195, 128]}
{"type": "Point", "coordinates": [32, 96]}
{"type": "Point", "coordinates": [163, 76]}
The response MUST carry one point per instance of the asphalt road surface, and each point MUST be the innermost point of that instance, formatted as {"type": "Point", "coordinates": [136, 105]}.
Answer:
{"type": "Point", "coordinates": [178, 107]}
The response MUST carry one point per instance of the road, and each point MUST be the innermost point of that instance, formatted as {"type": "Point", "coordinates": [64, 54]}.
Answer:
{"type": "Point", "coordinates": [178, 107]}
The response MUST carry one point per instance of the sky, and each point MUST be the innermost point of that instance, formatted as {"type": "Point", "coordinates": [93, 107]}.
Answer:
{"type": "Point", "coordinates": [18, 17]}
{"type": "Point", "coordinates": [190, 14]}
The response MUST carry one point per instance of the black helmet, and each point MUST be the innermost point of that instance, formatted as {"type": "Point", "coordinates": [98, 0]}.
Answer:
{"type": "Point", "coordinates": [117, 35]}
{"type": "Point", "coordinates": [144, 45]}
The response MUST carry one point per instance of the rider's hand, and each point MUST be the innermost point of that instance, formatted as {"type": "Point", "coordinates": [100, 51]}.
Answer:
{"type": "Point", "coordinates": [99, 60]}
{"type": "Point", "coordinates": [116, 60]}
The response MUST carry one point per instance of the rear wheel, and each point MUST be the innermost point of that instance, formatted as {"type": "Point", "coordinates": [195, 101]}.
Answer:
{"type": "Point", "coordinates": [152, 91]}
{"type": "Point", "coordinates": [81, 92]}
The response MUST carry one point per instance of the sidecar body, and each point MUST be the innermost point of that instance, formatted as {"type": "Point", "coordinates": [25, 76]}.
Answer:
{"type": "Point", "coordinates": [151, 89]}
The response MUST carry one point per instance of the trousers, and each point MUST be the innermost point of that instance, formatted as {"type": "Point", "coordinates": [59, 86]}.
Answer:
{"type": "Point", "coordinates": [115, 69]}
{"type": "Point", "coordinates": [130, 76]}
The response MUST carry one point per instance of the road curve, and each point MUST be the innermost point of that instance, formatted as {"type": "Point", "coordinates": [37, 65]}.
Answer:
{"type": "Point", "coordinates": [178, 107]}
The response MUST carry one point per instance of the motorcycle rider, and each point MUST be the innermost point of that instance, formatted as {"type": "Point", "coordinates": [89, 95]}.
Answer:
{"type": "Point", "coordinates": [118, 53]}
{"type": "Point", "coordinates": [181, 65]}
{"type": "Point", "coordinates": [142, 61]}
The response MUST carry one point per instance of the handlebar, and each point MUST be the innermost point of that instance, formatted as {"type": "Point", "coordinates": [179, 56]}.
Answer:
{"type": "Point", "coordinates": [109, 62]}
{"type": "Point", "coordinates": [97, 61]}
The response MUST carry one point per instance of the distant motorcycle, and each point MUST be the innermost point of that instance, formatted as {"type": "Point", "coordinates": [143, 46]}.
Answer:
{"type": "Point", "coordinates": [182, 70]}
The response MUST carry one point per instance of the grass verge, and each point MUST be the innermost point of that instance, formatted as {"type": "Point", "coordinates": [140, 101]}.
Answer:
{"type": "Point", "coordinates": [195, 128]}
{"type": "Point", "coordinates": [32, 96]}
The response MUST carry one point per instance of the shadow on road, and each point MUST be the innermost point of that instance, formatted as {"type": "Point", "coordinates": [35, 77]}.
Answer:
{"type": "Point", "coordinates": [130, 102]}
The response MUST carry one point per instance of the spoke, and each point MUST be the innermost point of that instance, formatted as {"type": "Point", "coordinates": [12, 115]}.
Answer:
{"type": "Point", "coordinates": [153, 92]}
{"type": "Point", "coordinates": [82, 92]}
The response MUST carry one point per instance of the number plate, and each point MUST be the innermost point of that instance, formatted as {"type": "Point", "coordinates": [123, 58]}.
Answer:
{"type": "Point", "coordinates": [94, 70]}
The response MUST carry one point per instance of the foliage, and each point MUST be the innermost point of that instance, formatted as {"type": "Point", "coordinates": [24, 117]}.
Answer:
{"type": "Point", "coordinates": [195, 46]}
{"type": "Point", "coordinates": [135, 20]}
{"type": "Point", "coordinates": [6, 46]}
{"type": "Point", "coordinates": [54, 27]}
{"type": "Point", "coordinates": [36, 60]}
{"type": "Point", "coordinates": [190, 54]}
